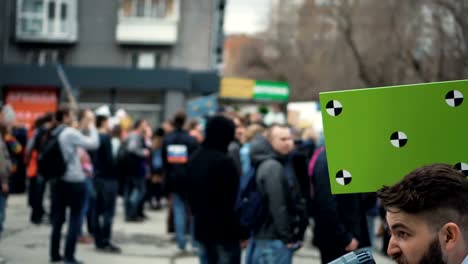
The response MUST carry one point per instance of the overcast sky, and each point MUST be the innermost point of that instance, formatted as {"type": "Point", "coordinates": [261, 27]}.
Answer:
{"type": "Point", "coordinates": [246, 16]}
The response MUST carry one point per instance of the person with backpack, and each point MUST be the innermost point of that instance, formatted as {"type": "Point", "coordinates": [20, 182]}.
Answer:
{"type": "Point", "coordinates": [282, 215]}
{"type": "Point", "coordinates": [177, 148]}
{"type": "Point", "coordinates": [60, 157]}
{"type": "Point", "coordinates": [37, 182]}
{"type": "Point", "coordinates": [106, 188]}
{"type": "Point", "coordinates": [214, 183]}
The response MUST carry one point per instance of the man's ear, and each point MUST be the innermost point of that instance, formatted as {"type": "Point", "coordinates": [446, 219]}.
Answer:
{"type": "Point", "coordinates": [450, 235]}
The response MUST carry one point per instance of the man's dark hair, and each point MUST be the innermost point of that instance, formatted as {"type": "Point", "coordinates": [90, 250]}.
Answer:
{"type": "Point", "coordinates": [179, 120]}
{"type": "Point", "coordinates": [100, 120]}
{"type": "Point", "coordinates": [159, 132]}
{"type": "Point", "coordinates": [42, 120]}
{"type": "Point", "coordinates": [81, 115]}
{"type": "Point", "coordinates": [193, 124]}
{"type": "Point", "coordinates": [117, 131]}
{"type": "Point", "coordinates": [138, 123]}
{"type": "Point", "coordinates": [61, 113]}
{"type": "Point", "coordinates": [438, 193]}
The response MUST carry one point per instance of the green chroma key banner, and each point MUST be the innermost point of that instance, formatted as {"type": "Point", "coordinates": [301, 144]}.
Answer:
{"type": "Point", "coordinates": [376, 136]}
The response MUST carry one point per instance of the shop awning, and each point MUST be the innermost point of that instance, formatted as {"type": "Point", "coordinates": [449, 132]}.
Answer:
{"type": "Point", "coordinates": [119, 78]}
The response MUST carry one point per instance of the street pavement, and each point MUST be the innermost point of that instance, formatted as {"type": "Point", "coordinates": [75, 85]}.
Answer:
{"type": "Point", "coordinates": [142, 243]}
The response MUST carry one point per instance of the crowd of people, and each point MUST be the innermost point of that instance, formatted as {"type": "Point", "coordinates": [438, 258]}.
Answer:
{"type": "Point", "coordinates": [235, 183]}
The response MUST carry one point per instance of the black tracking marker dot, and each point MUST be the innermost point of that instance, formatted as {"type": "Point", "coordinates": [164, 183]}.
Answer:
{"type": "Point", "coordinates": [334, 108]}
{"type": "Point", "coordinates": [343, 177]}
{"type": "Point", "coordinates": [398, 139]}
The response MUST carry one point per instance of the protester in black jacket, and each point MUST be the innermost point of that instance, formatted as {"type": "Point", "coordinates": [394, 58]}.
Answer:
{"type": "Point", "coordinates": [106, 187]}
{"type": "Point", "coordinates": [340, 220]}
{"type": "Point", "coordinates": [214, 183]}
{"type": "Point", "coordinates": [177, 147]}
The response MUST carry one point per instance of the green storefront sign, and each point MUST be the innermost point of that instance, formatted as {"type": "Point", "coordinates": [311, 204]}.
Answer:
{"type": "Point", "coordinates": [277, 91]}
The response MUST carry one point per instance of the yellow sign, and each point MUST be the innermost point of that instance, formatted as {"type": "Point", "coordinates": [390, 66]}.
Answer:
{"type": "Point", "coordinates": [237, 88]}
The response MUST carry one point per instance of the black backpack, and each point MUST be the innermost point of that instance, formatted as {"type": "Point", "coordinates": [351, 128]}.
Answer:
{"type": "Point", "coordinates": [50, 161]}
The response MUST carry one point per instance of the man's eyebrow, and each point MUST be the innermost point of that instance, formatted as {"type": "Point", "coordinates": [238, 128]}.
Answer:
{"type": "Point", "coordinates": [399, 225]}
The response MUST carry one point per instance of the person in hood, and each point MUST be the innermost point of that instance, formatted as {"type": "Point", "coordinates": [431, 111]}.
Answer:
{"type": "Point", "coordinates": [214, 181]}
{"type": "Point", "coordinates": [279, 231]}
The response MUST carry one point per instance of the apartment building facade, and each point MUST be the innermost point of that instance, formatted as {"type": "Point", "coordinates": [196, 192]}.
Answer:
{"type": "Point", "coordinates": [146, 56]}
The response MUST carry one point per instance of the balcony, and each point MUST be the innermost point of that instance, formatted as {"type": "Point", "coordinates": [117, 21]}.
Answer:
{"type": "Point", "coordinates": [148, 22]}
{"type": "Point", "coordinates": [47, 21]}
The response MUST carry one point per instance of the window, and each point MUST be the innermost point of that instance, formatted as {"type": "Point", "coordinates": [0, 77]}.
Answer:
{"type": "Point", "coordinates": [147, 8]}
{"type": "Point", "coordinates": [46, 18]}
{"type": "Point", "coordinates": [45, 57]}
{"type": "Point", "coordinates": [63, 18]}
{"type": "Point", "coordinates": [147, 60]}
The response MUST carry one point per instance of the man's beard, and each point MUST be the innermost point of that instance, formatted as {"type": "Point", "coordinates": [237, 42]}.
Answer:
{"type": "Point", "coordinates": [433, 255]}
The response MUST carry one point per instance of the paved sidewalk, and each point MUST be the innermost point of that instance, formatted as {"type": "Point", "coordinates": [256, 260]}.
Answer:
{"type": "Point", "coordinates": [142, 243]}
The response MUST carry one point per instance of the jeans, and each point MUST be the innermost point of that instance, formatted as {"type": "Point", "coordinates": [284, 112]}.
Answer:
{"type": "Point", "coordinates": [271, 252]}
{"type": "Point", "coordinates": [371, 228]}
{"type": "Point", "coordinates": [72, 195]}
{"type": "Point", "coordinates": [180, 217]}
{"type": "Point", "coordinates": [36, 198]}
{"type": "Point", "coordinates": [3, 203]}
{"type": "Point", "coordinates": [89, 207]}
{"type": "Point", "coordinates": [106, 196]}
{"type": "Point", "coordinates": [249, 251]}
{"type": "Point", "coordinates": [134, 194]}
{"type": "Point", "coordinates": [220, 253]}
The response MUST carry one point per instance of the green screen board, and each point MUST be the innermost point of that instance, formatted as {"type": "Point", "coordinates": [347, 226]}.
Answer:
{"type": "Point", "coordinates": [376, 136]}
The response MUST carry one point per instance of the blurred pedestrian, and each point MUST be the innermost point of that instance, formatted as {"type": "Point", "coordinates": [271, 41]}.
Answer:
{"type": "Point", "coordinates": [106, 188]}
{"type": "Point", "coordinates": [196, 131]}
{"type": "Point", "coordinates": [37, 182]}
{"type": "Point", "coordinates": [116, 139]}
{"type": "Point", "coordinates": [177, 147]}
{"type": "Point", "coordinates": [157, 171]}
{"type": "Point", "coordinates": [5, 172]}
{"type": "Point", "coordinates": [340, 220]}
{"type": "Point", "coordinates": [136, 155]}
{"type": "Point", "coordinates": [236, 144]}
{"type": "Point", "coordinates": [89, 207]}
{"type": "Point", "coordinates": [214, 183]}
{"type": "Point", "coordinates": [252, 131]}
{"type": "Point", "coordinates": [147, 172]}
{"type": "Point", "coordinates": [284, 217]}
{"type": "Point", "coordinates": [276, 116]}
{"type": "Point", "coordinates": [70, 190]}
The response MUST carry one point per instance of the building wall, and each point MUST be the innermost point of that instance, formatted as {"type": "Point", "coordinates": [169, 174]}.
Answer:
{"type": "Point", "coordinates": [194, 42]}
{"type": "Point", "coordinates": [96, 35]}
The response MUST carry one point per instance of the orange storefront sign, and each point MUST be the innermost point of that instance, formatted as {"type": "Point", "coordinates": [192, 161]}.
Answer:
{"type": "Point", "coordinates": [29, 103]}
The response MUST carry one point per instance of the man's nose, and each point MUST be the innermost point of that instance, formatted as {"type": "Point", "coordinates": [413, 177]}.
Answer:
{"type": "Point", "coordinates": [393, 248]}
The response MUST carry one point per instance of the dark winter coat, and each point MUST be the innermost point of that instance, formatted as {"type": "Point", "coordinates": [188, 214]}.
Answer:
{"type": "Point", "coordinates": [176, 171]}
{"type": "Point", "coordinates": [213, 183]}
{"type": "Point", "coordinates": [338, 218]}
{"type": "Point", "coordinates": [284, 211]}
